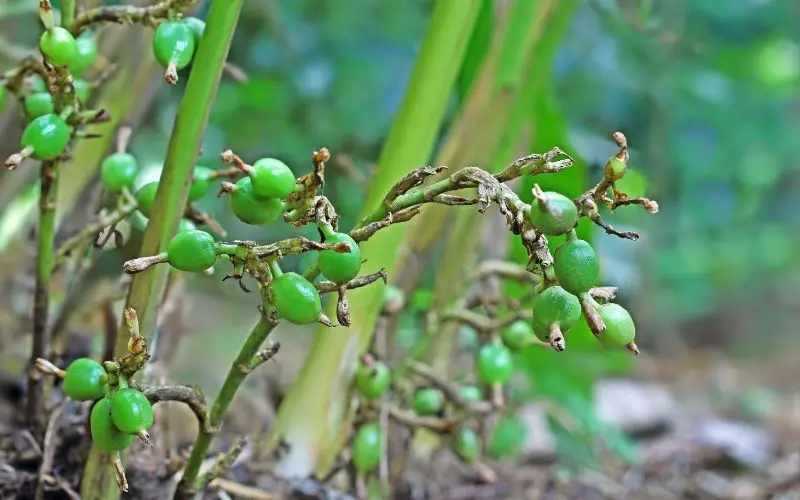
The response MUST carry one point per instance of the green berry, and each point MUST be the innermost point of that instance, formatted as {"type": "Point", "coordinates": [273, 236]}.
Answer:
{"type": "Point", "coordinates": [85, 54]}
{"type": "Point", "coordinates": [105, 435]}
{"type": "Point", "coordinates": [36, 83]}
{"type": "Point", "coordinates": [373, 382]}
{"type": "Point", "coordinates": [201, 183]}
{"type": "Point", "coordinates": [470, 394]}
{"type": "Point", "coordinates": [517, 335]}
{"type": "Point", "coordinates": [466, 445]}
{"type": "Point", "coordinates": [59, 46]}
{"type": "Point", "coordinates": [173, 44]}
{"type": "Point", "coordinates": [428, 401]}
{"type": "Point", "coordinates": [131, 411]}
{"type": "Point", "coordinates": [272, 179]}
{"type": "Point", "coordinates": [340, 267]}
{"type": "Point", "coordinates": [250, 209]}
{"type": "Point", "coordinates": [507, 438]}
{"type": "Point", "coordinates": [576, 266]}
{"type": "Point", "coordinates": [295, 298]}
{"type": "Point", "coordinates": [85, 380]}
{"type": "Point", "coordinates": [192, 251]}
{"type": "Point", "coordinates": [186, 225]}
{"type": "Point", "coordinates": [620, 329]}
{"type": "Point", "coordinates": [82, 90]}
{"type": "Point", "coordinates": [146, 197]}
{"type": "Point", "coordinates": [554, 306]}
{"type": "Point", "coordinates": [558, 215]}
{"type": "Point", "coordinates": [48, 135]}
{"type": "Point", "coordinates": [118, 171]}
{"type": "Point", "coordinates": [367, 447]}
{"type": "Point", "coordinates": [615, 168]}
{"type": "Point", "coordinates": [495, 365]}
{"type": "Point", "coordinates": [38, 104]}
{"type": "Point", "coordinates": [198, 27]}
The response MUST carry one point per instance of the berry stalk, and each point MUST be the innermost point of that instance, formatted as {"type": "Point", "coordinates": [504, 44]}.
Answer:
{"type": "Point", "coordinates": [191, 481]}
{"type": "Point", "coordinates": [45, 242]}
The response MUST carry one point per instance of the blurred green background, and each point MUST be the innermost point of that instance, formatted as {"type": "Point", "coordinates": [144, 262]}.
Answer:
{"type": "Point", "coordinates": [705, 91]}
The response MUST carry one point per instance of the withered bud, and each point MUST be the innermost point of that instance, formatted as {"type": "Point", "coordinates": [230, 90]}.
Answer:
{"type": "Point", "coordinates": [651, 206]}
{"type": "Point", "coordinates": [49, 368]}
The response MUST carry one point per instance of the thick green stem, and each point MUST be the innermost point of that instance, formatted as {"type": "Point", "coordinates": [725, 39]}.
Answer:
{"type": "Point", "coordinates": [184, 145]}
{"type": "Point", "coordinates": [314, 414]}
{"type": "Point", "coordinates": [191, 482]}
{"type": "Point", "coordinates": [67, 12]}
{"type": "Point", "coordinates": [190, 122]}
{"type": "Point", "coordinates": [37, 383]}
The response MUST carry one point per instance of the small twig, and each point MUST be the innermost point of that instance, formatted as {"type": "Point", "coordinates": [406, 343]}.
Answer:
{"type": "Point", "coordinates": [449, 390]}
{"type": "Point", "coordinates": [128, 14]}
{"type": "Point", "coordinates": [410, 419]}
{"type": "Point", "coordinates": [49, 448]}
{"type": "Point", "coordinates": [361, 281]}
{"type": "Point", "coordinates": [90, 231]}
{"type": "Point", "coordinates": [222, 463]}
{"type": "Point", "coordinates": [242, 491]}
{"type": "Point", "coordinates": [263, 356]}
{"type": "Point", "coordinates": [190, 396]}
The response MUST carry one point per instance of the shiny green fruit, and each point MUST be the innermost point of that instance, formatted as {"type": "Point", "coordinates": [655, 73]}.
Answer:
{"type": "Point", "coordinates": [470, 394]}
{"type": "Point", "coordinates": [118, 171]}
{"type": "Point", "coordinates": [620, 328]}
{"type": "Point", "coordinates": [517, 335]}
{"type": "Point", "coordinates": [85, 380]}
{"type": "Point", "coordinates": [198, 27]}
{"type": "Point", "coordinates": [495, 364]}
{"type": "Point", "coordinates": [373, 382]}
{"type": "Point", "coordinates": [576, 266]}
{"type": "Point", "coordinates": [48, 136]}
{"type": "Point", "coordinates": [201, 182]}
{"type": "Point", "coordinates": [82, 90]}
{"type": "Point", "coordinates": [250, 209]}
{"type": "Point", "coordinates": [38, 104]}
{"type": "Point", "coordinates": [146, 197]}
{"type": "Point", "coordinates": [192, 251]}
{"type": "Point", "coordinates": [85, 54]}
{"type": "Point", "coordinates": [428, 401]}
{"type": "Point", "coordinates": [58, 46]}
{"type": "Point", "coordinates": [554, 306]}
{"type": "Point", "coordinates": [173, 44]}
{"type": "Point", "coordinates": [131, 411]}
{"type": "Point", "coordinates": [340, 267]}
{"type": "Point", "coordinates": [558, 215]}
{"type": "Point", "coordinates": [466, 445]}
{"type": "Point", "coordinates": [105, 435]}
{"type": "Point", "coordinates": [295, 298]}
{"type": "Point", "coordinates": [367, 447]}
{"type": "Point", "coordinates": [272, 179]}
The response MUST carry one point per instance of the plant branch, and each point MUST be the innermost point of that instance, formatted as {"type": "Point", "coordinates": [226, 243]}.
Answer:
{"type": "Point", "coordinates": [105, 220]}
{"type": "Point", "coordinates": [128, 14]}
{"type": "Point", "coordinates": [191, 483]}
{"type": "Point", "coordinates": [34, 409]}
{"type": "Point", "coordinates": [190, 396]}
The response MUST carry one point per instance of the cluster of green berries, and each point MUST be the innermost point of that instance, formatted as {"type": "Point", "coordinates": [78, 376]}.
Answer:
{"type": "Point", "coordinates": [577, 269]}
{"type": "Point", "coordinates": [62, 49]}
{"type": "Point", "coordinates": [175, 43]}
{"type": "Point", "coordinates": [118, 414]}
{"type": "Point", "coordinates": [373, 380]}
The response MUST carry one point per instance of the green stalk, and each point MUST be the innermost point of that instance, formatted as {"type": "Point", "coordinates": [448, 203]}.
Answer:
{"type": "Point", "coordinates": [312, 419]}
{"type": "Point", "coordinates": [190, 122]}
{"type": "Point", "coordinates": [38, 384]}
{"type": "Point", "coordinates": [67, 12]}
{"type": "Point", "coordinates": [191, 482]}
{"type": "Point", "coordinates": [187, 133]}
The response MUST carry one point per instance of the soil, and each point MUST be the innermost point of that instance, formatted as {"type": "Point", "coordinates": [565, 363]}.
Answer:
{"type": "Point", "coordinates": [679, 462]}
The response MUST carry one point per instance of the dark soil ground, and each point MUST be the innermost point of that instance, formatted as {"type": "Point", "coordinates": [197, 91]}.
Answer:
{"type": "Point", "coordinates": [715, 454]}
